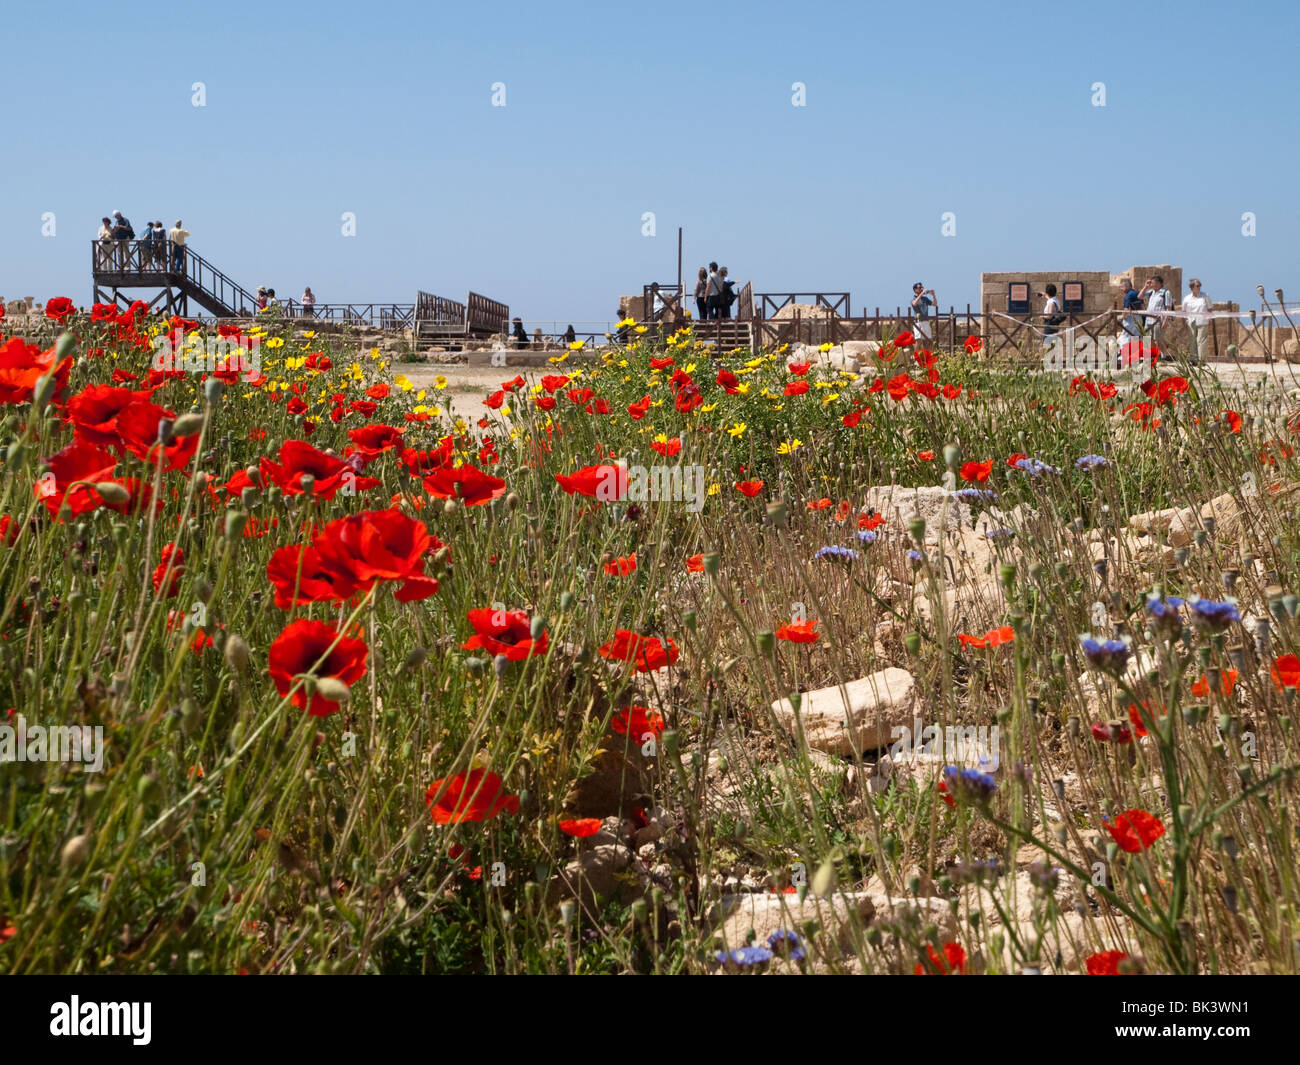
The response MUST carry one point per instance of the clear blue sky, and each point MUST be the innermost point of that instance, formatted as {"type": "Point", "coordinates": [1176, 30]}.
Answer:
{"type": "Point", "coordinates": [385, 110]}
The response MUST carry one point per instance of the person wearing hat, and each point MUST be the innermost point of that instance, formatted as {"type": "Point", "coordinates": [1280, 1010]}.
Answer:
{"type": "Point", "coordinates": [261, 297]}
{"type": "Point", "coordinates": [178, 236]}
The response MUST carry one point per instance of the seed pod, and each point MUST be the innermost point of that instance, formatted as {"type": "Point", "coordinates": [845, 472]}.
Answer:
{"type": "Point", "coordinates": [333, 689]}
{"type": "Point", "coordinates": [74, 853]}
{"type": "Point", "coordinates": [188, 424]}
{"type": "Point", "coordinates": [113, 493]}
{"type": "Point", "coordinates": [236, 653]}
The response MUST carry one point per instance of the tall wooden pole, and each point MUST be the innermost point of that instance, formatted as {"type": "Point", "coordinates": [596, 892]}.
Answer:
{"type": "Point", "coordinates": [679, 265]}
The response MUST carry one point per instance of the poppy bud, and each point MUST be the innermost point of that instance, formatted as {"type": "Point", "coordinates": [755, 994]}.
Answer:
{"type": "Point", "coordinates": [112, 493]}
{"type": "Point", "coordinates": [537, 626]}
{"type": "Point", "coordinates": [236, 653]}
{"type": "Point", "coordinates": [213, 389]}
{"type": "Point", "coordinates": [248, 496]}
{"type": "Point", "coordinates": [235, 520]}
{"type": "Point", "coordinates": [64, 346]}
{"type": "Point", "coordinates": [951, 456]}
{"type": "Point", "coordinates": [499, 665]}
{"type": "Point", "coordinates": [415, 659]}
{"type": "Point", "coordinates": [254, 474]}
{"type": "Point", "coordinates": [44, 391]}
{"type": "Point", "coordinates": [912, 643]}
{"type": "Point", "coordinates": [147, 788]}
{"type": "Point", "coordinates": [14, 453]}
{"type": "Point", "coordinates": [333, 689]}
{"type": "Point", "coordinates": [513, 500]}
{"type": "Point", "coordinates": [766, 643]}
{"type": "Point", "coordinates": [475, 664]}
{"type": "Point", "coordinates": [566, 600]}
{"type": "Point", "coordinates": [711, 564]}
{"type": "Point", "coordinates": [449, 508]}
{"type": "Point", "coordinates": [567, 911]}
{"type": "Point", "coordinates": [188, 423]}
{"type": "Point", "coordinates": [190, 714]}
{"type": "Point", "coordinates": [74, 852]}
{"type": "Point", "coordinates": [690, 620]}
{"type": "Point", "coordinates": [93, 796]}
{"type": "Point", "coordinates": [1007, 575]}
{"type": "Point", "coordinates": [777, 513]}
{"type": "Point", "coordinates": [165, 434]}
{"type": "Point", "coordinates": [916, 529]}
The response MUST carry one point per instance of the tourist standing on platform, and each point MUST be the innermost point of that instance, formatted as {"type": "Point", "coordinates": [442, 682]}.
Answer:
{"type": "Point", "coordinates": [308, 302]}
{"type": "Point", "coordinates": [1158, 298]}
{"type": "Point", "coordinates": [1129, 328]}
{"type": "Point", "coordinates": [728, 295]}
{"type": "Point", "coordinates": [261, 297]}
{"type": "Point", "coordinates": [714, 293]}
{"type": "Point", "coordinates": [1052, 316]}
{"type": "Point", "coordinates": [178, 236]}
{"type": "Point", "coordinates": [701, 293]}
{"type": "Point", "coordinates": [922, 300]}
{"type": "Point", "coordinates": [122, 232]}
{"type": "Point", "coordinates": [520, 337]}
{"type": "Point", "coordinates": [570, 336]}
{"type": "Point", "coordinates": [1199, 323]}
{"type": "Point", "coordinates": [158, 240]}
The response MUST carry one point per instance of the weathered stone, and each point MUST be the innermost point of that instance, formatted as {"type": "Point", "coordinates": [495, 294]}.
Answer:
{"type": "Point", "coordinates": [838, 922]}
{"type": "Point", "coordinates": [857, 716]}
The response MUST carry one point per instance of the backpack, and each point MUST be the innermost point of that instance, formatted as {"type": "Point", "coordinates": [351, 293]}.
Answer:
{"type": "Point", "coordinates": [728, 295]}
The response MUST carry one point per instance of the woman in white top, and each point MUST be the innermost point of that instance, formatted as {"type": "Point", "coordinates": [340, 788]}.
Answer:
{"type": "Point", "coordinates": [1198, 305]}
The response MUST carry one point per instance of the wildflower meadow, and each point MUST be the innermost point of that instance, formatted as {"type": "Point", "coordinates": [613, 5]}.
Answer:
{"type": "Point", "coordinates": [663, 660]}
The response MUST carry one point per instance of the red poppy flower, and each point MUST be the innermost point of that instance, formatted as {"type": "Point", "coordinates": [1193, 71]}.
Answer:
{"type": "Point", "coordinates": [474, 796]}
{"type": "Point", "coordinates": [661, 364]}
{"type": "Point", "coordinates": [371, 441]}
{"type": "Point", "coordinates": [798, 632]}
{"type": "Point", "coordinates": [59, 308]}
{"type": "Point", "coordinates": [852, 419]}
{"type": "Point", "coordinates": [898, 387]}
{"type": "Point", "coordinates": [973, 345]}
{"type": "Point", "coordinates": [820, 504]}
{"type": "Point", "coordinates": [93, 412]}
{"type": "Point", "coordinates": [749, 488]}
{"type": "Point", "coordinates": [621, 567]}
{"type": "Point", "coordinates": [379, 391]}
{"type": "Point", "coordinates": [554, 382]}
{"type": "Point", "coordinates": [504, 632]}
{"type": "Point", "coordinates": [299, 460]}
{"type": "Point", "coordinates": [582, 827]}
{"type": "Point", "coordinates": [302, 569]}
{"type": "Point", "coordinates": [544, 402]}
{"type": "Point", "coordinates": [925, 456]}
{"type": "Point", "coordinates": [640, 721]}
{"type": "Point", "coordinates": [925, 358]}
{"type": "Point", "coordinates": [378, 545]}
{"type": "Point", "coordinates": [878, 385]}
{"type": "Point", "coordinates": [799, 368]}
{"type": "Point", "coordinates": [729, 382]}
{"type": "Point", "coordinates": [904, 340]}
{"type": "Point", "coordinates": [420, 463]}
{"type": "Point", "coordinates": [1227, 681]}
{"type": "Point", "coordinates": [1105, 963]}
{"type": "Point", "coordinates": [496, 399]}
{"type": "Point", "coordinates": [928, 389]}
{"type": "Point", "coordinates": [1286, 672]}
{"type": "Point", "coordinates": [870, 522]}
{"type": "Point", "coordinates": [993, 638]}
{"type": "Point", "coordinates": [667, 448]}
{"type": "Point", "coordinates": [1101, 732]}
{"type": "Point", "coordinates": [639, 409]}
{"type": "Point", "coordinates": [946, 796]}
{"type": "Point", "coordinates": [580, 396]}
{"type": "Point", "coordinates": [170, 556]}
{"type": "Point", "coordinates": [467, 483]}
{"type": "Point", "coordinates": [87, 463]}
{"type": "Point", "coordinates": [976, 472]}
{"type": "Point", "coordinates": [796, 388]}
{"type": "Point", "coordinates": [952, 962]}
{"type": "Point", "coordinates": [363, 407]}
{"type": "Point", "coordinates": [1135, 830]}
{"type": "Point", "coordinates": [646, 652]}
{"type": "Point", "coordinates": [23, 364]}
{"type": "Point", "coordinates": [606, 483]}
{"type": "Point", "coordinates": [1232, 420]}
{"type": "Point", "coordinates": [296, 651]}
{"type": "Point", "coordinates": [951, 391]}
{"type": "Point", "coordinates": [695, 564]}
{"type": "Point", "coordinates": [1141, 718]}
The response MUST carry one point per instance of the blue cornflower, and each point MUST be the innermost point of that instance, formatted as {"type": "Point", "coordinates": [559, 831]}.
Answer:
{"type": "Point", "coordinates": [969, 783]}
{"type": "Point", "coordinates": [999, 536]}
{"type": "Point", "coordinates": [1092, 462]}
{"type": "Point", "coordinates": [866, 536]}
{"type": "Point", "coordinates": [834, 551]}
{"type": "Point", "coordinates": [1110, 656]}
{"type": "Point", "coordinates": [915, 557]}
{"type": "Point", "coordinates": [1213, 615]}
{"type": "Point", "coordinates": [787, 944]}
{"type": "Point", "coordinates": [744, 957]}
{"type": "Point", "coordinates": [975, 495]}
{"type": "Point", "coordinates": [1034, 467]}
{"type": "Point", "coordinates": [1164, 613]}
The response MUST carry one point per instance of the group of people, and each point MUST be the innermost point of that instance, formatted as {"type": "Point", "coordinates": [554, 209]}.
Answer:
{"type": "Point", "coordinates": [522, 340]}
{"type": "Point", "coordinates": [115, 232]}
{"type": "Point", "coordinates": [714, 293]}
{"type": "Point", "coordinates": [1154, 296]}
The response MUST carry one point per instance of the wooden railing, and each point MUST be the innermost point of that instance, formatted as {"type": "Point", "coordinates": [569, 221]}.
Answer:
{"type": "Point", "coordinates": [487, 315]}
{"type": "Point", "coordinates": [771, 302]}
{"type": "Point", "coordinates": [380, 315]}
